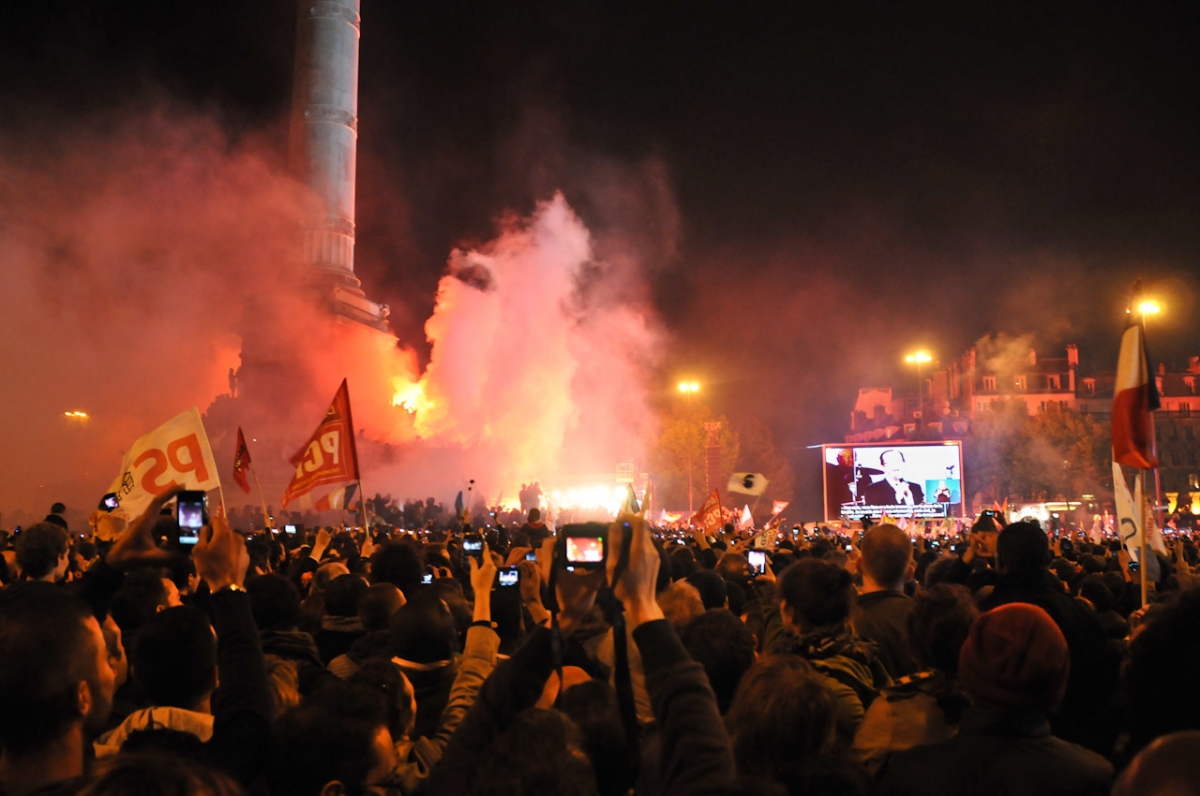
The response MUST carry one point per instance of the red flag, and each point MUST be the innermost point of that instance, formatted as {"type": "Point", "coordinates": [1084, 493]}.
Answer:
{"type": "Point", "coordinates": [710, 514]}
{"type": "Point", "coordinates": [1135, 397]}
{"type": "Point", "coordinates": [329, 458]}
{"type": "Point", "coordinates": [241, 463]}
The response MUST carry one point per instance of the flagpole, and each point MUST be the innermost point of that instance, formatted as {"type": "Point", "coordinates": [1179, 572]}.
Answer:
{"type": "Point", "coordinates": [262, 498]}
{"type": "Point", "coordinates": [1142, 555]}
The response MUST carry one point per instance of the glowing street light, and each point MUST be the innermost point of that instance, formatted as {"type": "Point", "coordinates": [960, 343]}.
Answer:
{"type": "Point", "coordinates": [919, 358]}
{"type": "Point", "coordinates": [76, 415]}
{"type": "Point", "coordinates": [1149, 307]}
{"type": "Point", "coordinates": [689, 387]}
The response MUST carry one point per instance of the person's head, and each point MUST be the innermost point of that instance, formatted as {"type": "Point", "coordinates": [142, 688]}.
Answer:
{"type": "Point", "coordinates": [175, 658]}
{"type": "Point", "coordinates": [153, 773]}
{"type": "Point", "coordinates": [423, 631]}
{"type": "Point", "coordinates": [342, 594]}
{"type": "Point", "coordinates": [283, 678]}
{"type": "Point", "coordinates": [683, 562]}
{"type": "Point", "coordinates": [400, 700]}
{"type": "Point", "coordinates": [535, 515]}
{"type": "Point", "coordinates": [724, 646]}
{"type": "Point", "coordinates": [1093, 589]}
{"type": "Point", "coordinates": [142, 594]}
{"type": "Point", "coordinates": [377, 604]}
{"type": "Point", "coordinates": [886, 553]}
{"type": "Point", "coordinates": [680, 603]}
{"type": "Point", "coordinates": [335, 743]}
{"type": "Point", "coordinates": [42, 551]}
{"type": "Point", "coordinates": [1015, 657]}
{"type": "Point", "coordinates": [711, 586]}
{"type": "Point", "coordinates": [592, 706]}
{"type": "Point", "coordinates": [732, 566]}
{"type": "Point", "coordinates": [1163, 657]}
{"type": "Point", "coordinates": [55, 675]}
{"type": "Point", "coordinates": [400, 565]}
{"type": "Point", "coordinates": [327, 573]}
{"type": "Point", "coordinates": [1168, 767]}
{"type": "Point", "coordinates": [1022, 547]}
{"type": "Point", "coordinates": [274, 602]}
{"type": "Point", "coordinates": [815, 594]}
{"type": "Point", "coordinates": [892, 461]}
{"type": "Point", "coordinates": [781, 712]}
{"type": "Point", "coordinates": [938, 626]}
{"type": "Point", "coordinates": [541, 752]}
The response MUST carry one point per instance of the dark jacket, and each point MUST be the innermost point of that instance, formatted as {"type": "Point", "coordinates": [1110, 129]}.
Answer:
{"type": "Point", "coordinates": [1085, 716]}
{"type": "Point", "coordinates": [431, 683]}
{"type": "Point", "coordinates": [1001, 752]}
{"type": "Point", "coordinates": [337, 635]}
{"type": "Point", "coordinates": [883, 618]}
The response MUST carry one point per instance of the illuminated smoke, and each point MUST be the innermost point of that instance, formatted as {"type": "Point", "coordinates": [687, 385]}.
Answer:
{"type": "Point", "coordinates": [135, 260]}
{"type": "Point", "coordinates": [533, 375]}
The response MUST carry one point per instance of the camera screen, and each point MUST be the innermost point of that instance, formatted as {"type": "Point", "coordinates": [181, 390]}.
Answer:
{"type": "Point", "coordinates": [472, 545]}
{"type": "Point", "coordinates": [427, 578]}
{"type": "Point", "coordinates": [758, 560]}
{"type": "Point", "coordinates": [191, 516]}
{"type": "Point", "coordinates": [111, 501]}
{"type": "Point", "coordinates": [289, 529]}
{"type": "Point", "coordinates": [509, 576]}
{"type": "Point", "coordinates": [585, 549]}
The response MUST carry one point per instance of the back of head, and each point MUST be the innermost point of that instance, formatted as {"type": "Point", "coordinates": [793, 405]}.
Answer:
{"type": "Point", "coordinates": [329, 737]}
{"type": "Point", "coordinates": [535, 515]}
{"type": "Point", "coordinates": [39, 547]}
{"type": "Point", "coordinates": [141, 596]}
{"type": "Point", "coordinates": [781, 712]}
{"type": "Point", "coordinates": [175, 658]}
{"type": "Point", "coordinates": [342, 594]}
{"type": "Point", "coordinates": [592, 706]}
{"type": "Point", "coordinates": [274, 601]}
{"type": "Point", "coordinates": [376, 605]}
{"type": "Point", "coordinates": [1162, 656]}
{"type": "Point", "coordinates": [541, 752]}
{"type": "Point", "coordinates": [398, 564]}
{"type": "Point", "coordinates": [327, 573]}
{"type": "Point", "coordinates": [724, 646]}
{"type": "Point", "coordinates": [156, 774]}
{"type": "Point", "coordinates": [680, 603]}
{"type": "Point", "coordinates": [1168, 767]}
{"type": "Point", "coordinates": [399, 699]}
{"type": "Point", "coordinates": [819, 593]}
{"type": "Point", "coordinates": [732, 566]}
{"type": "Point", "coordinates": [1022, 547]}
{"type": "Point", "coordinates": [939, 624]}
{"type": "Point", "coordinates": [886, 554]}
{"type": "Point", "coordinates": [423, 631]}
{"type": "Point", "coordinates": [1015, 657]}
{"type": "Point", "coordinates": [46, 649]}
{"type": "Point", "coordinates": [711, 586]}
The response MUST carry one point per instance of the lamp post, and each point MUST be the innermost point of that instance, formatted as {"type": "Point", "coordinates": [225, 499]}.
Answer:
{"type": "Point", "coordinates": [919, 358]}
{"type": "Point", "coordinates": [689, 389]}
{"type": "Point", "coordinates": [1147, 308]}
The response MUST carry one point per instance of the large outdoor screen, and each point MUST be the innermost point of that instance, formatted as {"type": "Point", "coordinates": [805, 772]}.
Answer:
{"type": "Point", "coordinates": [899, 480]}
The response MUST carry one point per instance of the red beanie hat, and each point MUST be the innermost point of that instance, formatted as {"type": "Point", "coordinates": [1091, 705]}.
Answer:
{"type": "Point", "coordinates": [1015, 657]}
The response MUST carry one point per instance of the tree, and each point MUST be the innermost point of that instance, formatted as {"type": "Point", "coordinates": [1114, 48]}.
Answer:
{"type": "Point", "coordinates": [681, 444]}
{"type": "Point", "coordinates": [1056, 454]}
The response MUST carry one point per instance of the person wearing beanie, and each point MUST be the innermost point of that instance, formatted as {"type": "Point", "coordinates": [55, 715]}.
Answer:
{"type": "Point", "coordinates": [1023, 562]}
{"type": "Point", "coordinates": [1014, 666]}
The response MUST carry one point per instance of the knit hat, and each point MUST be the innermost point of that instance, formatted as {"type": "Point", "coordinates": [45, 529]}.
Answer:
{"type": "Point", "coordinates": [1015, 657]}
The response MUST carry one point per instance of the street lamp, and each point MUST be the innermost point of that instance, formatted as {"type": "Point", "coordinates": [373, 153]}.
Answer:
{"type": "Point", "coordinates": [689, 389]}
{"type": "Point", "coordinates": [919, 358]}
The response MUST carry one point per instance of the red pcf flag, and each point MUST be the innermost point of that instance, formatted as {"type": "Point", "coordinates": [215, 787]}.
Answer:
{"type": "Point", "coordinates": [241, 463]}
{"type": "Point", "coordinates": [709, 515]}
{"type": "Point", "coordinates": [329, 457]}
{"type": "Point", "coordinates": [1135, 396]}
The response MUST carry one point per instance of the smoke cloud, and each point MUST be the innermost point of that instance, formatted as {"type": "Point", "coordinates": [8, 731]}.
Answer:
{"type": "Point", "coordinates": [150, 268]}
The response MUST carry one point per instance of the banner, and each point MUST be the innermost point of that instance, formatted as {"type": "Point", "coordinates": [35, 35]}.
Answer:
{"type": "Point", "coordinates": [1132, 524]}
{"type": "Point", "coordinates": [329, 458]}
{"type": "Point", "coordinates": [778, 506]}
{"type": "Point", "coordinates": [174, 454]}
{"type": "Point", "coordinates": [241, 463]}
{"type": "Point", "coordinates": [709, 515]}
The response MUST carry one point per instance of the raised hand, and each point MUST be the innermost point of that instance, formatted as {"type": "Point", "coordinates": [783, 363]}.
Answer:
{"type": "Point", "coordinates": [137, 547]}
{"type": "Point", "coordinates": [220, 556]}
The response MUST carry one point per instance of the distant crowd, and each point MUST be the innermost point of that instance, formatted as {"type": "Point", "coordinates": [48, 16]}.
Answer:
{"type": "Point", "coordinates": [431, 655]}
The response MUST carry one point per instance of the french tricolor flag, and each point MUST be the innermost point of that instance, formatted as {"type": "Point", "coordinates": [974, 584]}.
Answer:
{"type": "Point", "coordinates": [1135, 397]}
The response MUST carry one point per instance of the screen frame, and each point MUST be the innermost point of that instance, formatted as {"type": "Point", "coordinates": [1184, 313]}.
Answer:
{"type": "Point", "coordinates": [833, 513]}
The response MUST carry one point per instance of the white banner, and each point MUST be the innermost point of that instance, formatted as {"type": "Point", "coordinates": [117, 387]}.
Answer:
{"type": "Point", "coordinates": [174, 454]}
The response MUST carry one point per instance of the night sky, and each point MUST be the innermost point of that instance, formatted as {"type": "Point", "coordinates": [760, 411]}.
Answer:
{"type": "Point", "coordinates": [815, 188]}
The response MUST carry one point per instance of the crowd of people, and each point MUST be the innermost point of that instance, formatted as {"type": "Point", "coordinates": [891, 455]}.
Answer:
{"type": "Point", "coordinates": [463, 660]}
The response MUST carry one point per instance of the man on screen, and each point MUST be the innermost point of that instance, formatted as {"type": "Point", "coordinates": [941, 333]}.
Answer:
{"type": "Point", "coordinates": [893, 490]}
